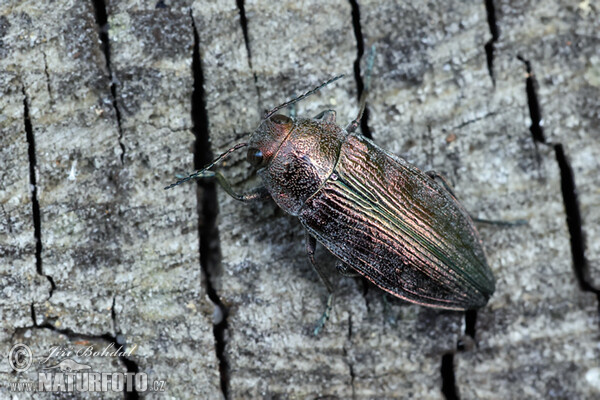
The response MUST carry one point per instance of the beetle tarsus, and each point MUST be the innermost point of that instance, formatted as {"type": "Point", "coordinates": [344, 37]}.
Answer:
{"type": "Point", "coordinates": [516, 222]}
{"type": "Point", "coordinates": [325, 316]}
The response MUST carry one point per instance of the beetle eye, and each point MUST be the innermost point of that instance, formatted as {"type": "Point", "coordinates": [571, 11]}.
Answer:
{"type": "Point", "coordinates": [281, 119]}
{"type": "Point", "coordinates": [254, 157]}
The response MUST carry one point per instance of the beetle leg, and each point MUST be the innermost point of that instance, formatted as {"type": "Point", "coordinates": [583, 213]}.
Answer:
{"type": "Point", "coordinates": [259, 193]}
{"type": "Point", "coordinates": [388, 316]}
{"type": "Point", "coordinates": [311, 244]}
{"type": "Point", "coordinates": [433, 175]}
{"type": "Point", "coordinates": [516, 222]}
{"type": "Point", "coordinates": [326, 116]}
{"type": "Point", "coordinates": [346, 270]}
{"type": "Point", "coordinates": [352, 126]}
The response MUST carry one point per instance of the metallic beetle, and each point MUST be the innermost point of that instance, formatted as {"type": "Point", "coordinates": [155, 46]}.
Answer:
{"type": "Point", "coordinates": [379, 215]}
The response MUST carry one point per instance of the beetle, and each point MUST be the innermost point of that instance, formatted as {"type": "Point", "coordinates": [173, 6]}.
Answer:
{"type": "Point", "coordinates": [381, 216]}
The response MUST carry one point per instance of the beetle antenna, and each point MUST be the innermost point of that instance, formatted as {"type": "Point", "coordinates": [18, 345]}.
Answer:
{"type": "Point", "coordinates": [209, 166]}
{"type": "Point", "coordinates": [302, 97]}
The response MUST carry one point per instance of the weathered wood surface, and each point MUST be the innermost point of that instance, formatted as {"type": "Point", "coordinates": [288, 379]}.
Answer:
{"type": "Point", "coordinates": [119, 259]}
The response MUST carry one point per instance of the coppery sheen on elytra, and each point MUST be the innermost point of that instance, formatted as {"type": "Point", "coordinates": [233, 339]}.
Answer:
{"type": "Point", "coordinates": [374, 211]}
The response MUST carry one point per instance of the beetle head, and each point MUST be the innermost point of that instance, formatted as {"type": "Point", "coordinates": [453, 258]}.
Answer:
{"type": "Point", "coordinates": [267, 139]}
{"type": "Point", "coordinates": [275, 128]}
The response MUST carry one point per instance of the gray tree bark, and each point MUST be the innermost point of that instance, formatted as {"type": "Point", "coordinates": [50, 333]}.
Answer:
{"type": "Point", "coordinates": [103, 102]}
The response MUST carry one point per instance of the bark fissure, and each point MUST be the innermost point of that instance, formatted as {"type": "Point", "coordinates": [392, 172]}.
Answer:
{"type": "Point", "coordinates": [113, 314]}
{"type": "Point", "coordinates": [130, 365]}
{"type": "Point", "coordinates": [449, 389]}
{"type": "Point", "coordinates": [568, 187]}
{"type": "Point", "coordinates": [35, 205]}
{"type": "Point", "coordinates": [347, 357]}
{"type": "Point", "coordinates": [574, 224]}
{"type": "Point", "coordinates": [472, 121]}
{"type": "Point", "coordinates": [495, 32]}
{"type": "Point", "coordinates": [47, 76]}
{"type": "Point", "coordinates": [207, 219]}
{"type": "Point", "coordinates": [244, 24]}
{"type": "Point", "coordinates": [102, 22]}
{"type": "Point", "coordinates": [360, 50]}
{"type": "Point", "coordinates": [32, 312]}
{"type": "Point", "coordinates": [470, 322]}
{"type": "Point", "coordinates": [534, 106]}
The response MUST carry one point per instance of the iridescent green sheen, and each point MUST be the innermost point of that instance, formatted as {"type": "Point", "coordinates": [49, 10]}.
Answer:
{"type": "Point", "coordinates": [377, 213]}
{"type": "Point", "coordinates": [400, 229]}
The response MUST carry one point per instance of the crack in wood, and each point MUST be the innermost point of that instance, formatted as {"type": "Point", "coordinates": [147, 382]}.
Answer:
{"type": "Point", "coordinates": [244, 25]}
{"type": "Point", "coordinates": [470, 322]}
{"type": "Point", "coordinates": [210, 254]}
{"type": "Point", "coordinates": [130, 365]}
{"type": "Point", "coordinates": [574, 223]}
{"type": "Point", "coordinates": [568, 187]}
{"type": "Point", "coordinates": [360, 50]}
{"type": "Point", "coordinates": [102, 22]}
{"type": "Point", "coordinates": [348, 361]}
{"type": "Point", "coordinates": [495, 32]}
{"type": "Point", "coordinates": [47, 77]}
{"type": "Point", "coordinates": [449, 389]}
{"type": "Point", "coordinates": [35, 205]}
{"type": "Point", "coordinates": [535, 112]}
